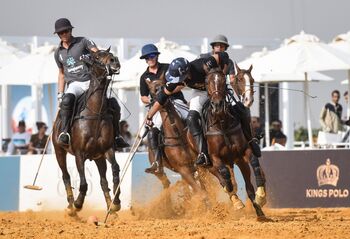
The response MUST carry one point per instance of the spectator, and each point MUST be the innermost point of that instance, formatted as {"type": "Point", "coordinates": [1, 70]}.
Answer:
{"type": "Point", "coordinates": [330, 117]}
{"type": "Point", "coordinates": [346, 97]}
{"type": "Point", "coordinates": [19, 141]}
{"type": "Point", "coordinates": [125, 133]}
{"type": "Point", "coordinates": [256, 127]}
{"type": "Point", "coordinates": [38, 141]}
{"type": "Point", "coordinates": [276, 134]}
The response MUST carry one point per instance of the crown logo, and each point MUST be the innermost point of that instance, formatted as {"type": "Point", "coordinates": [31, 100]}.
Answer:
{"type": "Point", "coordinates": [328, 174]}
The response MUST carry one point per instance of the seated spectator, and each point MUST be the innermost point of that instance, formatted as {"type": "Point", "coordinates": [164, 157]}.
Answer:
{"type": "Point", "coordinates": [19, 141]}
{"type": "Point", "coordinates": [38, 141]}
{"type": "Point", "coordinates": [346, 97]}
{"type": "Point", "coordinates": [125, 133]}
{"type": "Point", "coordinates": [276, 134]}
{"type": "Point", "coordinates": [330, 117]}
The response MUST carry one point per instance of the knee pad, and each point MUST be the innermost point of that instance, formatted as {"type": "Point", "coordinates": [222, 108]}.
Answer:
{"type": "Point", "coordinates": [153, 138]}
{"type": "Point", "coordinates": [68, 101]}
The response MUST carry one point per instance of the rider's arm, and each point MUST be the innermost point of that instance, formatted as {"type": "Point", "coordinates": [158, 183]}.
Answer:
{"type": "Point", "coordinates": [60, 80]}
{"type": "Point", "coordinates": [162, 97]}
{"type": "Point", "coordinates": [145, 100]}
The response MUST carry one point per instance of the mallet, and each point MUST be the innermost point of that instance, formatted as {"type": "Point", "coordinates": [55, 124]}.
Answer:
{"type": "Point", "coordinates": [33, 186]}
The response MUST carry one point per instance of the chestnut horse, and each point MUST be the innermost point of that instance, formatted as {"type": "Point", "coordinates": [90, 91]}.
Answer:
{"type": "Point", "coordinates": [179, 157]}
{"type": "Point", "coordinates": [243, 87]}
{"type": "Point", "coordinates": [91, 134]}
{"type": "Point", "coordinates": [226, 142]}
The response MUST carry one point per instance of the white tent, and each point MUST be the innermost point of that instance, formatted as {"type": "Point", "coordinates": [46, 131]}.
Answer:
{"type": "Point", "coordinates": [35, 69]}
{"type": "Point", "coordinates": [132, 69]}
{"type": "Point", "coordinates": [275, 78]}
{"type": "Point", "coordinates": [302, 53]}
{"type": "Point", "coordinates": [342, 43]}
{"type": "Point", "coordinates": [8, 54]}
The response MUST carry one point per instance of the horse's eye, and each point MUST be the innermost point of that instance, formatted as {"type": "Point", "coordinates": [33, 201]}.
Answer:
{"type": "Point", "coordinates": [112, 60]}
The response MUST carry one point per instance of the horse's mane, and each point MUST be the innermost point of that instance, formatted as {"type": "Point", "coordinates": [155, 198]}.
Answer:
{"type": "Point", "coordinates": [215, 70]}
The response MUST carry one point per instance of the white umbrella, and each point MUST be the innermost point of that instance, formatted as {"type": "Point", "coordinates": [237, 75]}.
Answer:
{"type": "Point", "coordinates": [342, 43]}
{"type": "Point", "coordinates": [37, 68]}
{"type": "Point", "coordinates": [303, 53]}
{"type": "Point", "coordinates": [133, 68]}
{"type": "Point", "coordinates": [8, 54]}
{"type": "Point", "coordinates": [279, 77]}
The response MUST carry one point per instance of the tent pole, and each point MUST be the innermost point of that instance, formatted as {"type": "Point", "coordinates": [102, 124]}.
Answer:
{"type": "Point", "coordinates": [288, 128]}
{"type": "Point", "coordinates": [308, 111]}
{"type": "Point", "coordinates": [267, 116]}
{"type": "Point", "coordinates": [348, 106]}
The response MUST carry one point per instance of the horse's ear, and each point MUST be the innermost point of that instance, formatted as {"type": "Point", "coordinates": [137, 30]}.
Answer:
{"type": "Point", "coordinates": [109, 48]}
{"type": "Point", "coordinates": [250, 68]}
{"type": "Point", "coordinates": [237, 67]}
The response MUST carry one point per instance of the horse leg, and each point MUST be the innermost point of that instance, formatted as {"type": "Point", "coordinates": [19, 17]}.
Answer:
{"type": "Point", "coordinates": [102, 168]}
{"type": "Point", "coordinates": [237, 202]}
{"type": "Point", "coordinates": [160, 175]}
{"type": "Point", "coordinates": [220, 171]}
{"type": "Point", "coordinates": [245, 169]}
{"type": "Point", "coordinates": [115, 172]}
{"type": "Point", "coordinates": [260, 196]}
{"type": "Point", "coordinates": [61, 156]}
{"type": "Point", "coordinates": [78, 203]}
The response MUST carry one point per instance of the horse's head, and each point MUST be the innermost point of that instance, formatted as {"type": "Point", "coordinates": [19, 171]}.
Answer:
{"type": "Point", "coordinates": [104, 62]}
{"type": "Point", "coordinates": [216, 87]}
{"type": "Point", "coordinates": [155, 85]}
{"type": "Point", "coordinates": [243, 85]}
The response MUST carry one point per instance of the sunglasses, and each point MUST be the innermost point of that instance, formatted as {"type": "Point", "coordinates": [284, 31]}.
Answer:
{"type": "Point", "coordinates": [63, 32]}
{"type": "Point", "coordinates": [151, 56]}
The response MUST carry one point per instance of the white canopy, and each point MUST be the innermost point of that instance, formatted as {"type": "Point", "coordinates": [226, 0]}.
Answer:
{"type": "Point", "coordinates": [8, 54]}
{"type": "Point", "coordinates": [342, 43]}
{"type": "Point", "coordinates": [37, 68]}
{"type": "Point", "coordinates": [132, 69]}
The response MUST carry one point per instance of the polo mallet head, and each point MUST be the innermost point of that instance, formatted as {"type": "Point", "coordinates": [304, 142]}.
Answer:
{"type": "Point", "coordinates": [33, 187]}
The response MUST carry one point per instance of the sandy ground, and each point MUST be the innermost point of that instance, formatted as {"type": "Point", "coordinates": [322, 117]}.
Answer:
{"type": "Point", "coordinates": [218, 222]}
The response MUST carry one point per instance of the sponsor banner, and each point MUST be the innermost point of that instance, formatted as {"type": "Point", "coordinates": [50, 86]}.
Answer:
{"type": "Point", "coordinates": [307, 178]}
{"type": "Point", "coordinates": [9, 181]}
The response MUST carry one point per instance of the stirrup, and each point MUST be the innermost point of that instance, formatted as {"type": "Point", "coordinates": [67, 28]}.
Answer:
{"type": "Point", "coordinates": [64, 138]}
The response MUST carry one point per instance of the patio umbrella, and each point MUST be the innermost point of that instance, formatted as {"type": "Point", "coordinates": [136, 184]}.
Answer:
{"type": "Point", "coordinates": [342, 43]}
{"type": "Point", "coordinates": [265, 78]}
{"type": "Point", "coordinates": [8, 54]}
{"type": "Point", "coordinates": [302, 53]}
{"type": "Point", "coordinates": [133, 68]}
{"type": "Point", "coordinates": [35, 69]}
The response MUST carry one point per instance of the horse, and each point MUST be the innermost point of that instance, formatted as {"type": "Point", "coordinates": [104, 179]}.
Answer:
{"type": "Point", "coordinates": [91, 134]}
{"type": "Point", "coordinates": [178, 155]}
{"type": "Point", "coordinates": [243, 87]}
{"type": "Point", "coordinates": [226, 142]}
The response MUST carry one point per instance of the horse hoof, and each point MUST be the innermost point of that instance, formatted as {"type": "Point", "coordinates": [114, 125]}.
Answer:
{"type": "Point", "coordinates": [78, 206]}
{"type": "Point", "coordinates": [237, 203]}
{"type": "Point", "coordinates": [71, 212]}
{"type": "Point", "coordinates": [260, 196]}
{"type": "Point", "coordinates": [263, 219]}
{"type": "Point", "coordinates": [115, 208]}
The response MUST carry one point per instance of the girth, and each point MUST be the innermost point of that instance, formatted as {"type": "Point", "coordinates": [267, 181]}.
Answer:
{"type": "Point", "coordinates": [94, 117]}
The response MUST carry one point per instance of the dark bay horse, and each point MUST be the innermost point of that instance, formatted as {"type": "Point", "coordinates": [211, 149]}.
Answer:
{"type": "Point", "coordinates": [179, 156]}
{"type": "Point", "coordinates": [92, 134]}
{"type": "Point", "coordinates": [226, 142]}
